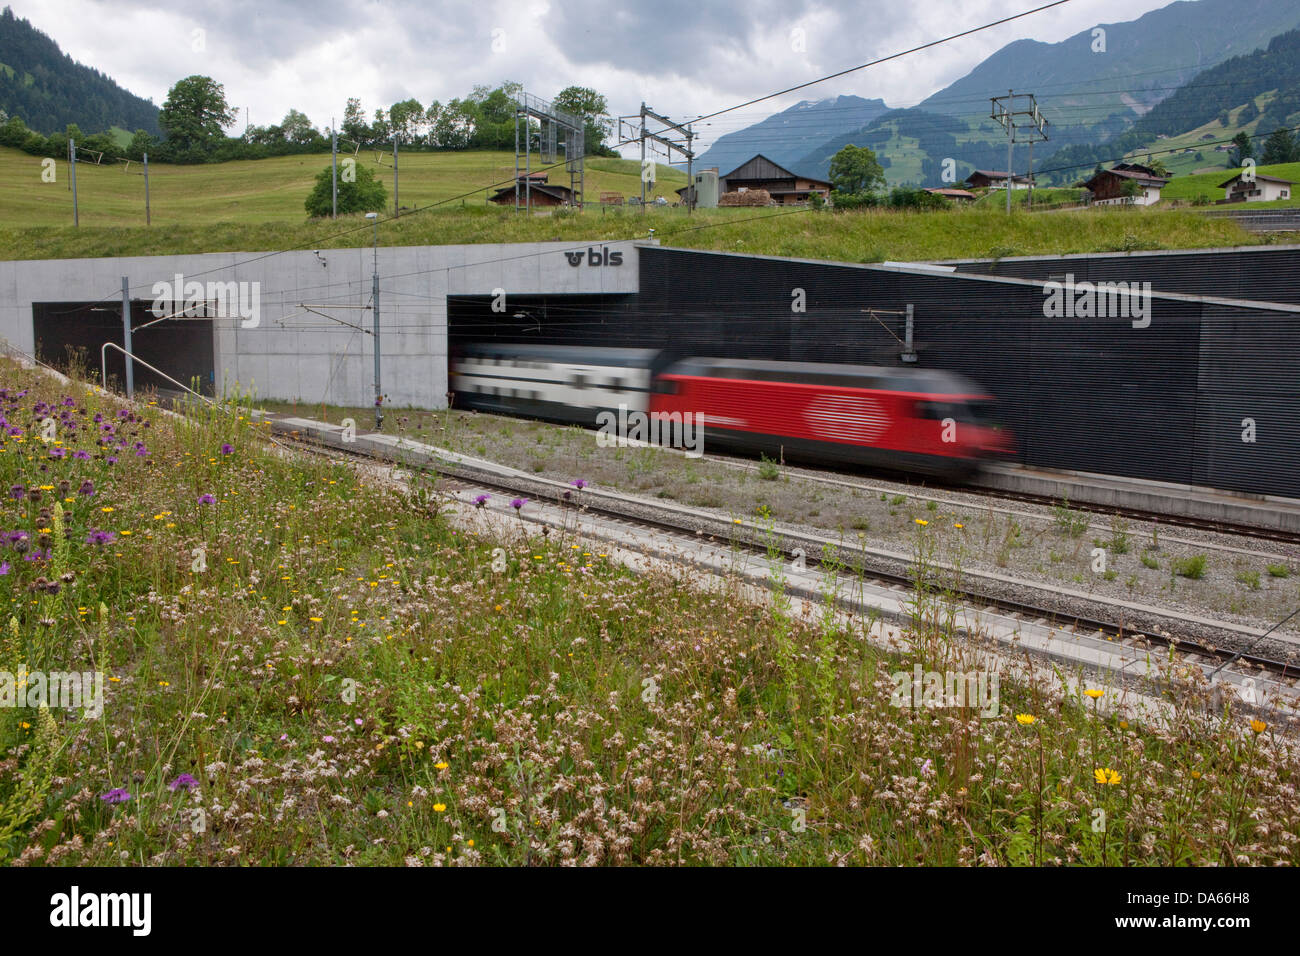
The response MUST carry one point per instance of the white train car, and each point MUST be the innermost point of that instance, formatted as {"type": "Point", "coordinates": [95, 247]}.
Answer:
{"type": "Point", "coordinates": [554, 382]}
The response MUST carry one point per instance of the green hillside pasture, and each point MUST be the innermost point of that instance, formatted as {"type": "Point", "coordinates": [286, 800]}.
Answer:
{"type": "Point", "coordinates": [269, 190]}
{"type": "Point", "coordinates": [1188, 188]}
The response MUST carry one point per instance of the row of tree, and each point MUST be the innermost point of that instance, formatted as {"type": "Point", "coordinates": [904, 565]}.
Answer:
{"type": "Point", "coordinates": [196, 115]}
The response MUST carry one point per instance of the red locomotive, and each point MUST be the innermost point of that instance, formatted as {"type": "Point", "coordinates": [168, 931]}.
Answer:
{"type": "Point", "coordinates": [917, 420]}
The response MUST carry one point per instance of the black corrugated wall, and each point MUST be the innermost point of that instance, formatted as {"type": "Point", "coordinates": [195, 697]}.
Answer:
{"type": "Point", "coordinates": [1166, 401]}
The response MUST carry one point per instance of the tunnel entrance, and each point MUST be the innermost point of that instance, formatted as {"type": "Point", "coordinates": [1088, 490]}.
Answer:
{"type": "Point", "coordinates": [71, 335]}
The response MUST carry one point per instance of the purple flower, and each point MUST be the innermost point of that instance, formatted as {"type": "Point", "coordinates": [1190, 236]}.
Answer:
{"type": "Point", "coordinates": [227, 449]}
{"type": "Point", "coordinates": [81, 454]}
{"type": "Point", "coordinates": [482, 500]}
{"type": "Point", "coordinates": [518, 503]}
{"type": "Point", "coordinates": [328, 739]}
{"type": "Point", "coordinates": [15, 430]}
{"type": "Point", "coordinates": [140, 450]}
{"type": "Point", "coordinates": [111, 459]}
{"type": "Point", "coordinates": [116, 795]}
{"type": "Point", "coordinates": [207, 500]}
{"type": "Point", "coordinates": [4, 568]}
{"type": "Point", "coordinates": [100, 537]}
{"type": "Point", "coordinates": [87, 487]}
{"type": "Point", "coordinates": [17, 492]}
{"type": "Point", "coordinates": [578, 483]}
{"type": "Point", "coordinates": [38, 555]}
{"type": "Point", "coordinates": [15, 536]}
{"type": "Point", "coordinates": [122, 413]}
{"type": "Point", "coordinates": [926, 769]}
{"type": "Point", "coordinates": [98, 418]}
{"type": "Point", "coordinates": [57, 453]}
{"type": "Point", "coordinates": [183, 782]}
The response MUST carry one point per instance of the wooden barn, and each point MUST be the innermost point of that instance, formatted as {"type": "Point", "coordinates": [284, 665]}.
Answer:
{"type": "Point", "coordinates": [542, 193]}
{"type": "Point", "coordinates": [783, 185]}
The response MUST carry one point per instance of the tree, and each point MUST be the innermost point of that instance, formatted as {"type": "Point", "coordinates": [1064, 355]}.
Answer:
{"type": "Point", "coordinates": [140, 144]}
{"type": "Point", "coordinates": [592, 107]}
{"type": "Point", "coordinates": [1280, 147]}
{"type": "Point", "coordinates": [854, 170]}
{"type": "Point", "coordinates": [1243, 150]}
{"type": "Point", "coordinates": [195, 115]}
{"type": "Point", "coordinates": [380, 130]}
{"type": "Point", "coordinates": [365, 194]}
{"type": "Point", "coordinates": [451, 126]}
{"type": "Point", "coordinates": [1157, 166]}
{"type": "Point", "coordinates": [297, 128]}
{"type": "Point", "coordinates": [355, 126]}
{"type": "Point", "coordinates": [407, 120]}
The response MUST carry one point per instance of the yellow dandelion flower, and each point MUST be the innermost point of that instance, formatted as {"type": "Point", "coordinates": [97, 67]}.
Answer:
{"type": "Point", "coordinates": [1106, 775]}
{"type": "Point", "coordinates": [1123, 725]}
{"type": "Point", "coordinates": [1196, 775]}
{"type": "Point", "coordinates": [442, 765]}
{"type": "Point", "coordinates": [469, 842]}
{"type": "Point", "coordinates": [1258, 726]}
{"type": "Point", "coordinates": [1025, 719]}
{"type": "Point", "coordinates": [107, 508]}
{"type": "Point", "coordinates": [439, 808]}
{"type": "Point", "coordinates": [921, 521]}
{"type": "Point", "coordinates": [317, 619]}
{"type": "Point", "coordinates": [1094, 694]}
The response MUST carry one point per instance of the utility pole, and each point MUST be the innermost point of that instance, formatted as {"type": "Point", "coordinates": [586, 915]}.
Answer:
{"type": "Point", "coordinates": [334, 164]}
{"type": "Point", "coordinates": [126, 336]}
{"type": "Point", "coordinates": [397, 208]}
{"type": "Point", "coordinates": [638, 131]}
{"type": "Point", "coordinates": [148, 220]}
{"type": "Point", "coordinates": [1030, 128]}
{"type": "Point", "coordinates": [72, 169]}
{"type": "Point", "coordinates": [374, 293]}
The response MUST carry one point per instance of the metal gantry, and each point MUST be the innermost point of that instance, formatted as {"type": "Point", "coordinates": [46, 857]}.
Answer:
{"type": "Point", "coordinates": [1024, 124]}
{"type": "Point", "coordinates": [632, 129]}
{"type": "Point", "coordinates": [556, 129]}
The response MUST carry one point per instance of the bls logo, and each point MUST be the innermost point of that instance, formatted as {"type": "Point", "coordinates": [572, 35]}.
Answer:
{"type": "Point", "coordinates": [602, 257]}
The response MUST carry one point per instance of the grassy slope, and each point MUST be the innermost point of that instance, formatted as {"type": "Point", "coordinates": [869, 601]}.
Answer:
{"type": "Point", "coordinates": [347, 679]}
{"type": "Point", "coordinates": [256, 192]}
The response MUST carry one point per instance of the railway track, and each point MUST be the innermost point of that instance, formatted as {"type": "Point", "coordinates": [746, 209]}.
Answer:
{"type": "Point", "coordinates": [1238, 658]}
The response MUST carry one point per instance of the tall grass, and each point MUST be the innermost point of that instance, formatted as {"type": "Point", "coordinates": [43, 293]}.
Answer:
{"type": "Point", "coordinates": [347, 674]}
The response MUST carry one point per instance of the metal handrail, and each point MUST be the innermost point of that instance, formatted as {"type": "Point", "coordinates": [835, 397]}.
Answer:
{"type": "Point", "coordinates": [103, 367]}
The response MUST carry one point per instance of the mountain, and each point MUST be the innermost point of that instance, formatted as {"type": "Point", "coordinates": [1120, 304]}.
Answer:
{"type": "Point", "coordinates": [49, 89]}
{"type": "Point", "coordinates": [784, 137]}
{"type": "Point", "coordinates": [1254, 94]}
{"type": "Point", "coordinates": [1092, 87]}
{"type": "Point", "coordinates": [1143, 60]}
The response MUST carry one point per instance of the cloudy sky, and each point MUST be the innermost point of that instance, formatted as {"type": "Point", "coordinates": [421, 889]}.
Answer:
{"type": "Point", "coordinates": [683, 57]}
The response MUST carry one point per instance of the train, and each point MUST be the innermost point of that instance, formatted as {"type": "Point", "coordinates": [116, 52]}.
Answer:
{"type": "Point", "coordinates": [911, 420]}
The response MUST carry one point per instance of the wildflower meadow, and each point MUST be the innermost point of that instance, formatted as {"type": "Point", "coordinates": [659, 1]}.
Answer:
{"type": "Point", "coordinates": [305, 664]}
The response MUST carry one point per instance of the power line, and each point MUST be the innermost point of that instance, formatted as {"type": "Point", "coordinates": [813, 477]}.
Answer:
{"type": "Point", "coordinates": [883, 59]}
